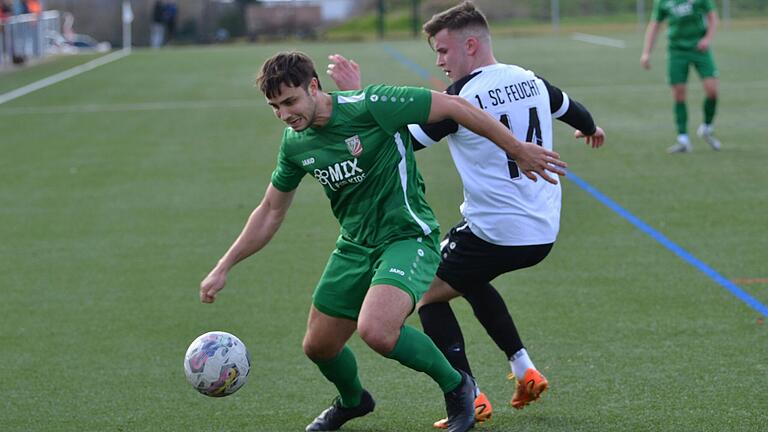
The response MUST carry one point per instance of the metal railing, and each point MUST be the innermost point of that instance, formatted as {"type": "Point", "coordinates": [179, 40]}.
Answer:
{"type": "Point", "coordinates": [25, 37]}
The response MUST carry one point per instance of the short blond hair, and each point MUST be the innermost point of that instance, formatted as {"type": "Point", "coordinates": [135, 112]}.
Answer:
{"type": "Point", "coordinates": [463, 17]}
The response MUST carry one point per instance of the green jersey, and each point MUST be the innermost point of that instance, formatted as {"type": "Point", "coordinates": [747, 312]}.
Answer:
{"type": "Point", "coordinates": [687, 21]}
{"type": "Point", "coordinates": [363, 158]}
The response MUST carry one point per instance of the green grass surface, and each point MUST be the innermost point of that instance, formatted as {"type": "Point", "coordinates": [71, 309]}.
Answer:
{"type": "Point", "coordinates": [122, 186]}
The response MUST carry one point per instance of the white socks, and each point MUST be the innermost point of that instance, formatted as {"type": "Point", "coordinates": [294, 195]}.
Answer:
{"type": "Point", "coordinates": [520, 362]}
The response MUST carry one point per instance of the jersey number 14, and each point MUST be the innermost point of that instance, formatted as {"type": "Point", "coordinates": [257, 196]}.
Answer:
{"type": "Point", "coordinates": [533, 135]}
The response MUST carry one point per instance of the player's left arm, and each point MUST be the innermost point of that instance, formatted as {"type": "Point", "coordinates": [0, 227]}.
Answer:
{"type": "Point", "coordinates": [530, 157]}
{"type": "Point", "coordinates": [573, 113]}
{"type": "Point", "coordinates": [712, 23]}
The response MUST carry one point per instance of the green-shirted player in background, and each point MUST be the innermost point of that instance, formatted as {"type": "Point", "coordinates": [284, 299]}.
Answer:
{"type": "Point", "coordinates": [357, 145]}
{"type": "Point", "coordinates": [692, 25]}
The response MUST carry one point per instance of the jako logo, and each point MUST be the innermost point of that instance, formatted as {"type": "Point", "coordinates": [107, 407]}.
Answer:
{"type": "Point", "coordinates": [398, 271]}
{"type": "Point", "coordinates": [309, 161]}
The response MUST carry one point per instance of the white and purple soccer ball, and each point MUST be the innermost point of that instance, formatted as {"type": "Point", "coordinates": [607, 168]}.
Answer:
{"type": "Point", "coordinates": [217, 364]}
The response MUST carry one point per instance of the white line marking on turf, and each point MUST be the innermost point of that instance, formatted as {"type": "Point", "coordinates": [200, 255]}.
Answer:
{"type": "Point", "coordinates": [61, 76]}
{"type": "Point", "coordinates": [598, 40]}
{"type": "Point", "coordinates": [250, 103]}
{"type": "Point", "coordinates": [147, 106]}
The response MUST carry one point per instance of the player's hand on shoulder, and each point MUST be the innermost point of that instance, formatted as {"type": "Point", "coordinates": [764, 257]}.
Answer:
{"type": "Point", "coordinates": [534, 159]}
{"type": "Point", "coordinates": [595, 140]}
{"type": "Point", "coordinates": [211, 285]}
{"type": "Point", "coordinates": [344, 72]}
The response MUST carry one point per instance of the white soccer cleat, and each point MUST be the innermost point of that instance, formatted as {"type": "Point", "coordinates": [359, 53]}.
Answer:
{"type": "Point", "coordinates": [683, 145]}
{"type": "Point", "coordinates": [707, 132]}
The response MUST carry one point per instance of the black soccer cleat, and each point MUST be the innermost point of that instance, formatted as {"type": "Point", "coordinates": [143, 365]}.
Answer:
{"type": "Point", "coordinates": [460, 405]}
{"type": "Point", "coordinates": [332, 418]}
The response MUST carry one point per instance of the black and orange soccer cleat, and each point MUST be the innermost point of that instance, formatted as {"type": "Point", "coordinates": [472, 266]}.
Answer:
{"type": "Point", "coordinates": [528, 389]}
{"type": "Point", "coordinates": [483, 411]}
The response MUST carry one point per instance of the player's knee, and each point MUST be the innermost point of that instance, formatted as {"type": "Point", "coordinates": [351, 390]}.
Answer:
{"type": "Point", "coordinates": [378, 338]}
{"type": "Point", "coordinates": [317, 350]}
{"type": "Point", "coordinates": [678, 92]}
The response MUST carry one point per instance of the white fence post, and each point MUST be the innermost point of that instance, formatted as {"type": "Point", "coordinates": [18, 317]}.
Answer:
{"type": "Point", "coordinates": [555, 12]}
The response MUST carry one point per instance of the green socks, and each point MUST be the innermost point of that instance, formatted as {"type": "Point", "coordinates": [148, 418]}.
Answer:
{"type": "Point", "coordinates": [342, 372]}
{"type": "Point", "coordinates": [681, 118]}
{"type": "Point", "coordinates": [413, 349]}
{"type": "Point", "coordinates": [710, 106]}
{"type": "Point", "coordinates": [681, 115]}
{"type": "Point", "coordinates": [416, 350]}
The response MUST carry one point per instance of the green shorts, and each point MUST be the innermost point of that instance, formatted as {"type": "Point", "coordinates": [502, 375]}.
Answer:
{"type": "Point", "coordinates": [408, 264]}
{"type": "Point", "coordinates": [678, 62]}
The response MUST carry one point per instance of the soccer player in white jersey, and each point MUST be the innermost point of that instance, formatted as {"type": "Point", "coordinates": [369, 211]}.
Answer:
{"type": "Point", "coordinates": [510, 222]}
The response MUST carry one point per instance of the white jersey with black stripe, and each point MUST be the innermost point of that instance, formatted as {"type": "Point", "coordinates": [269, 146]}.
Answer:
{"type": "Point", "coordinates": [501, 205]}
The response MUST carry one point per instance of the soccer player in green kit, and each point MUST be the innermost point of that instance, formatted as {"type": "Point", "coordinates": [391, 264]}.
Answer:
{"type": "Point", "coordinates": [692, 25]}
{"type": "Point", "coordinates": [357, 146]}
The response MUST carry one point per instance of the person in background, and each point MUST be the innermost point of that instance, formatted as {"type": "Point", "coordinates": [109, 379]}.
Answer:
{"type": "Point", "coordinates": [692, 25]}
{"type": "Point", "coordinates": [169, 19]}
{"type": "Point", "coordinates": [5, 10]}
{"type": "Point", "coordinates": [34, 7]}
{"type": "Point", "coordinates": [157, 28]}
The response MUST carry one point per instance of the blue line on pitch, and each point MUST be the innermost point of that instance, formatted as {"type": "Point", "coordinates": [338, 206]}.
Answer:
{"type": "Point", "coordinates": [423, 73]}
{"type": "Point", "coordinates": [634, 220]}
{"type": "Point", "coordinates": [669, 244]}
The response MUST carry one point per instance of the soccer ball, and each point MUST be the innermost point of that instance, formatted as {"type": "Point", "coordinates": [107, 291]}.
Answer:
{"type": "Point", "coordinates": [217, 364]}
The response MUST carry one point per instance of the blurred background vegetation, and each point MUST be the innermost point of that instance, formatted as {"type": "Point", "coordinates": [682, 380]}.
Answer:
{"type": "Point", "coordinates": [216, 21]}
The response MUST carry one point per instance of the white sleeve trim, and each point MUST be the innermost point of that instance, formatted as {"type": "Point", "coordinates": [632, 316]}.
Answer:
{"type": "Point", "coordinates": [563, 108]}
{"type": "Point", "coordinates": [351, 99]}
{"type": "Point", "coordinates": [420, 135]}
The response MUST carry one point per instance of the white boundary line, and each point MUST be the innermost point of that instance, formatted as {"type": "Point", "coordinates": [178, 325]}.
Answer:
{"type": "Point", "coordinates": [61, 76]}
{"type": "Point", "coordinates": [598, 40]}
{"type": "Point", "coordinates": [147, 106]}
{"type": "Point", "coordinates": [249, 103]}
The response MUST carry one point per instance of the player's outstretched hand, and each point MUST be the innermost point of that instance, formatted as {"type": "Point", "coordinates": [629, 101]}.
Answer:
{"type": "Point", "coordinates": [211, 285]}
{"type": "Point", "coordinates": [595, 140]}
{"type": "Point", "coordinates": [533, 159]}
{"type": "Point", "coordinates": [345, 73]}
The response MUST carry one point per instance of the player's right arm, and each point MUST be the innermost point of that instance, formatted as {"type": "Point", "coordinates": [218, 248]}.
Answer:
{"type": "Point", "coordinates": [650, 40]}
{"type": "Point", "coordinates": [262, 224]}
{"type": "Point", "coordinates": [657, 16]}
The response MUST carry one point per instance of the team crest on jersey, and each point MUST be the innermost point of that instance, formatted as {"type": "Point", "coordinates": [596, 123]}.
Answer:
{"type": "Point", "coordinates": [354, 145]}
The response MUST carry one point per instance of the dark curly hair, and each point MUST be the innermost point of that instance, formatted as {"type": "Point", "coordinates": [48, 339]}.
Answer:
{"type": "Point", "coordinates": [292, 68]}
